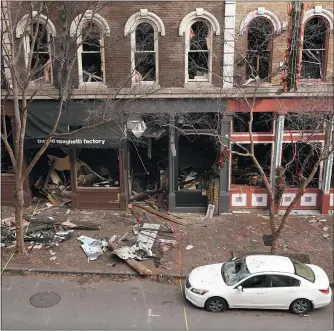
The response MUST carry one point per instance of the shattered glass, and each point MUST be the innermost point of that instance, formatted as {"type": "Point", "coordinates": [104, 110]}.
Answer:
{"type": "Point", "coordinates": [235, 271]}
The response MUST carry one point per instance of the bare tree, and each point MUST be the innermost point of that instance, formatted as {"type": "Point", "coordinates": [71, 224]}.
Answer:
{"type": "Point", "coordinates": [33, 58]}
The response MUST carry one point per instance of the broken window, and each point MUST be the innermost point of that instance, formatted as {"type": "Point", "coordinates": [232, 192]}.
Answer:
{"type": "Point", "coordinates": [244, 171]}
{"type": "Point", "coordinates": [199, 51]}
{"type": "Point", "coordinates": [332, 176]}
{"type": "Point", "coordinates": [196, 157]}
{"type": "Point", "coordinates": [41, 69]}
{"type": "Point", "coordinates": [149, 164]}
{"type": "Point", "coordinates": [314, 48]}
{"type": "Point", "coordinates": [145, 53]}
{"type": "Point", "coordinates": [262, 122]}
{"type": "Point", "coordinates": [51, 176]}
{"type": "Point", "coordinates": [299, 159]}
{"type": "Point", "coordinates": [6, 163]}
{"type": "Point", "coordinates": [92, 54]}
{"type": "Point", "coordinates": [97, 167]}
{"type": "Point", "coordinates": [304, 121]}
{"type": "Point", "coordinates": [258, 57]}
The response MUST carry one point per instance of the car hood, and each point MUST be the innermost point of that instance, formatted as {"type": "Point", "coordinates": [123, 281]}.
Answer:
{"type": "Point", "coordinates": [207, 276]}
{"type": "Point", "coordinates": [321, 279]}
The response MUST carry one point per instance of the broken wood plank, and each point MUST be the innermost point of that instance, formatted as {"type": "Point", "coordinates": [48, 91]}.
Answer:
{"type": "Point", "coordinates": [161, 214]}
{"type": "Point", "coordinates": [49, 174]}
{"type": "Point", "coordinates": [144, 195]}
{"type": "Point", "coordinates": [135, 265]}
{"type": "Point", "coordinates": [53, 200]}
{"type": "Point", "coordinates": [80, 225]}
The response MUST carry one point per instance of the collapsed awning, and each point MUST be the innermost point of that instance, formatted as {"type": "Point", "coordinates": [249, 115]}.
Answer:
{"type": "Point", "coordinates": [94, 133]}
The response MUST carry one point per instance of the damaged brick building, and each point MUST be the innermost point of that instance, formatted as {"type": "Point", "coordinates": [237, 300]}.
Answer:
{"type": "Point", "coordinates": [164, 78]}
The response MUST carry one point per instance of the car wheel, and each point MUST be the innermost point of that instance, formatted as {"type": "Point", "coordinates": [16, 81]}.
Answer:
{"type": "Point", "coordinates": [215, 305]}
{"type": "Point", "coordinates": [300, 306]}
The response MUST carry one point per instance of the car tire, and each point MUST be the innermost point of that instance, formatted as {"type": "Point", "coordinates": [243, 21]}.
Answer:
{"type": "Point", "coordinates": [216, 305]}
{"type": "Point", "coordinates": [300, 306]}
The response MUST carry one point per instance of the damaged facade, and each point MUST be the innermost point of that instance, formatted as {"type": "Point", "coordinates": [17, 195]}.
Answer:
{"type": "Point", "coordinates": [170, 62]}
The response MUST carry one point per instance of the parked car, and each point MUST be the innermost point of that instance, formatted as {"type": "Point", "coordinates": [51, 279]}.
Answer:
{"type": "Point", "coordinates": [259, 281]}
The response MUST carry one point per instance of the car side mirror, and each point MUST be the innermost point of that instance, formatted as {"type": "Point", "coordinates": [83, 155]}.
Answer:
{"type": "Point", "coordinates": [240, 289]}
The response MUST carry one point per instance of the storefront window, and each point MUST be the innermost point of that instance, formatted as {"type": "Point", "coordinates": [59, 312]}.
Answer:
{"type": "Point", "coordinates": [298, 159]}
{"type": "Point", "coordinates": [244, 171]}
{"type": "Point", "coordinates": [97, 168]}
{"type": "Point", "coordinates": [262, 122]}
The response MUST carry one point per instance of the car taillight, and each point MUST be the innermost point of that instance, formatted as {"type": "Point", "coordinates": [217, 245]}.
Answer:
{"type": "Point", "coordinates": [325, 291]}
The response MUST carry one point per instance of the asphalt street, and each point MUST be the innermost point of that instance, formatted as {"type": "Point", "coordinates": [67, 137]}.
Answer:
{"type": "Point", "coordinates": [102, 304]}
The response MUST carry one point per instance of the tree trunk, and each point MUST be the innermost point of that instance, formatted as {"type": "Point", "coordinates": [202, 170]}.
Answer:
{"type": "Point", "coordinates": [274, 244]}
{"type": "Point", "coordinates": [20, 248]}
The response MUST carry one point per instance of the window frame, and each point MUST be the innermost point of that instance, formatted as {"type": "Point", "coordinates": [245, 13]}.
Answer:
{"type": "Point", "coordinates": [49, 52]}
{"type": "Point", "coordinates": [24, 26]}
{"type": "Point", "coordinates": [325, 58]}
{"type": "Point", "coordinates": [187, 49]}
{"type": "Point", "coordinates": [134, 51]}
{"type": "Point", "coordinates": [252, 276]}
{"type": "Point", "coordinates": [80, 51]}
{"type": "Point", "coordinates": [281, 275]}
{"type": "Point", "coordinates": [270, 49]}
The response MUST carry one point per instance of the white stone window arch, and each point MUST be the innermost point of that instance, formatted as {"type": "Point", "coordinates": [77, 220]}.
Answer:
{"type": "Point", "coordinates": [144, 28]}
{"type": "Point", "coordinates": [90, 28]}
{"type": "Point", "coordinates": [317, 25]}
{"type": "Point", "coordinates": [42, 52]}
{"type": "Point", "coordinates": [319, 11]}
{"type": "Point", "coordinates": [261, 12]}
{"type": "Point", "coordinates": [198, 28]}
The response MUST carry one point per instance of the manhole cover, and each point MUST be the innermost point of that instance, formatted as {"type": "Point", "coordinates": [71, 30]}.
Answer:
{"type": "Point", "coordinates": [44, 299]}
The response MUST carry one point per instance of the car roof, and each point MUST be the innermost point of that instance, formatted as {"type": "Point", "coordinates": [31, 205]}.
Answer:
{"type": "Point", "coordinates": [269, 263]}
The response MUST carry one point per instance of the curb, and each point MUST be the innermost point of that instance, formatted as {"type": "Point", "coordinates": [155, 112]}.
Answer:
{"type": "Point", "coordinates": [91, 273]}
{"type": "Point", "coordinates": [96, 273]}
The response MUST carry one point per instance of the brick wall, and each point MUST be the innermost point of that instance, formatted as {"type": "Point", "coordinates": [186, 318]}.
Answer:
{"type": "Point", "coordinates": [279, 41]}
{"type": "Point", "coordinates": [117, 47]}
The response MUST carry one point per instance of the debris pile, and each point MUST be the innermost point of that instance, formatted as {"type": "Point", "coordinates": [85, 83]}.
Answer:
{"type": "Point", "coordinates": [41, 230]}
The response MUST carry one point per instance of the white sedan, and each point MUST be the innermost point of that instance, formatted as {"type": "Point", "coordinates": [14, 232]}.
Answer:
{"type": "Point", "coordinates": [259, 281]}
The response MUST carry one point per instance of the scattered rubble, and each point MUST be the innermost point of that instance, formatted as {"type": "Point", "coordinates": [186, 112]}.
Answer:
{"type": "Point", "coordinates": [93, 248]}
{"type": "Point", "coordinates": [326, 236]}
{"type": "Point", "coordinates": [189, 247]}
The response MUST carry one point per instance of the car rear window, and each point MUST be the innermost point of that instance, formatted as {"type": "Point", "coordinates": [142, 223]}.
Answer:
{"type": "Point", "coordinates": [303, 270]}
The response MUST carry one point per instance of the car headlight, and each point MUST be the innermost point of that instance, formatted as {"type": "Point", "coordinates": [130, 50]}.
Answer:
{"type": "Point", "coordinates": [200, 292]}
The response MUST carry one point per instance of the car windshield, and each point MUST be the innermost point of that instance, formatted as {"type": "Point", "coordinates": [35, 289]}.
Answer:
{"type": "Point", "coordinates": [235, 271]}
{"type": "Point", "coordinates": [303, 270]}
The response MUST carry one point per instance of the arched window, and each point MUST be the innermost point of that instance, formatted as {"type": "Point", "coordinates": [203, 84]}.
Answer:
{"type": "Point", "coordinates": [144, 28]}
{"type": "Point", "coordinates": [90, 29]}
{"type": "Point", "coordinates": [199, 51]}
{"type": "Point", "coordinates": [316, 33]}
{"type": "Point", "coordinates": [198, 28]}
{"type": "Point", "coordinates": [145, 53]}
{"type": "Point", "coordinates": [38, 32]}
{"type": "Point", "coordinates": [259, 48]}
{"type": "Point", "coordinates": [91, 53]}
{"type": "Point", "coordinates": [41, 68]}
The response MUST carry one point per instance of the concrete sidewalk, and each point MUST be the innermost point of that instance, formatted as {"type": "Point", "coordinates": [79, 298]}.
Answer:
{"type": "Point", "coordinates": [212, 241]}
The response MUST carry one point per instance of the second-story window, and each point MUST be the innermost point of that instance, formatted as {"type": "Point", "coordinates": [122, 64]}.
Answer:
{"type": "Point", "coordinates": [39, 41]}
{"type": "Point", "coordinates": [258, 57]}
{"type": "Point", "coordinates": [92, 54]}
{"type": "Point", "coordinates": [314, 48]}
{"type": "Point", "coordinates": [199, 51]}
{"type": "Point", "coordinates": [145, 53]}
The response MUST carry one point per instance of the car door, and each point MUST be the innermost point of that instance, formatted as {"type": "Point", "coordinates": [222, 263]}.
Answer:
{"type": "Point", "coordinates": [281, 291]}
{"type": "Point", "coordinates": [252, 294]}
